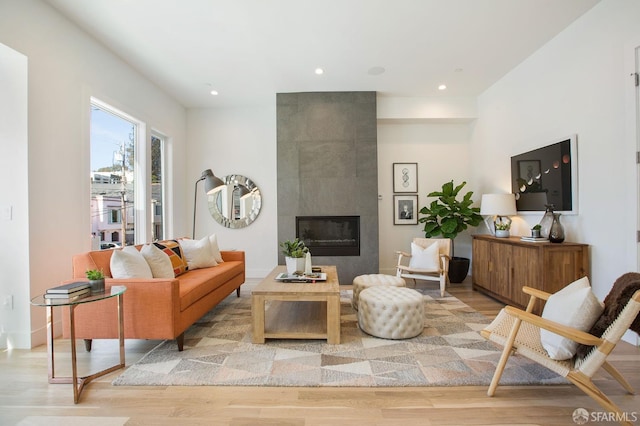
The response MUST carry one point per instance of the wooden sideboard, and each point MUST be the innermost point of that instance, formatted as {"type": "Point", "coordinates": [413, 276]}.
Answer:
{"type": "Point", "coordinates": [502, 266]}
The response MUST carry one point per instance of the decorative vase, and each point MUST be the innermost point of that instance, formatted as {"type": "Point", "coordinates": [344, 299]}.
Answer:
{"type": "Point", "coordinates": [307, 264]}
{"type": "Point", "coordinates": [96, 286]}
{"type": "Point", "coordinates": [556, 233]}
{"type": "Point", "coordinates": [535, 233]}
{"type": "Point", "coordinates": [502, 233]}
{"type": "Point", "coordinates": [547, 220]}
{"type": "Point", "coordinates": [295, 264]}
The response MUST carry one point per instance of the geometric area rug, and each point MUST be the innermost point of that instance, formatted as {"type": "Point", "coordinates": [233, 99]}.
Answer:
{"type": "Point", "coordinates": [449, 352]}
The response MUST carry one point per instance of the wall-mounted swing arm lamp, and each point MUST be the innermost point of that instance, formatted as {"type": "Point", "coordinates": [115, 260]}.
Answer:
{"type": "Point", "coordinates": [211, 184]}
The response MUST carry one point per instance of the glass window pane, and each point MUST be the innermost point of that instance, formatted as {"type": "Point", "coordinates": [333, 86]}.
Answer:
{"type": "Point", "coordinates": [157, 209]}
{"type": "Point", "coordinates": [113, 140]}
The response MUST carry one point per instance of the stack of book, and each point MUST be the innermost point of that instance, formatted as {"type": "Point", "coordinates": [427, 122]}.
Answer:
{"type": "Point", "coordinates": [534, 239]}
{"type": "Point", "coordinates": [301, 278]}
{"type": "Point", "coordinates": [68, 291]}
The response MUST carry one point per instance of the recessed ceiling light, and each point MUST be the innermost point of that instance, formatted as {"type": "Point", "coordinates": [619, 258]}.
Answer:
{"type": "Point", "coordinates": [214, 92]}
{"type": "Point", "coordinates": [319, 71]}
{"type": "Point", "coordinates": [442, 87]}
{"type": "Point", "coordinates": [376, 71]}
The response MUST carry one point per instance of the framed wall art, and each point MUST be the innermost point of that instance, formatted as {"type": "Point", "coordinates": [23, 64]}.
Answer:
{"type": "Point", "coordinates": [405, 209]}
{"type": "Point", "coordinates": [547, 175]}
{"type": "Point", "coordinates": [405, 177]}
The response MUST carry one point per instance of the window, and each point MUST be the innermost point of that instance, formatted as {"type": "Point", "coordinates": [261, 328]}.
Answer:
{"type": "Point", "coordinates": [114, 216]}
{"type": "Point", "coordinates": [157, 162]}
{"type": "Point", "coordinates": [127, 178]}
{"type": "Point", "coordinates": [114, 139]}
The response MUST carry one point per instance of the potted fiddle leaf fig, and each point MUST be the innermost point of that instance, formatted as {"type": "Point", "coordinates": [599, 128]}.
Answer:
{"type": "Point", "coordinates": [294, 255]}
{"type": "Point", "coordinates": [448, 216]}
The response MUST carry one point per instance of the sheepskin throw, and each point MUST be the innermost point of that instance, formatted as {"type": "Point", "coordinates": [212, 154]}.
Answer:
{"type": "Point", "coordinates": [622, 290]}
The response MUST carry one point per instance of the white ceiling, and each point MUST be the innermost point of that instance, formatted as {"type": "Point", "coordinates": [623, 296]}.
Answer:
{"type": "Point", "coordinates": [248, 50]}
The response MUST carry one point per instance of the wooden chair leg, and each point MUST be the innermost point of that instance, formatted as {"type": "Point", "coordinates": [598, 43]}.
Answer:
{"type": "Point", "coordinates": [87, 344]}
{"type": "Point", "coordinates": [238, 292]}
{"type": "Point", "coordinates": [443, 284]}
{"type": "Point", "coordinates": [506, 352]}
{"type": "Point", "coordinates": [616, 375]}
{"type": "Point", "coordinates": [587, 386]}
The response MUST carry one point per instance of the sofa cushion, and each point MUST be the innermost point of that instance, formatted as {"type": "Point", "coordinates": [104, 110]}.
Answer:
{"type": "Point", "coordinates": [198, 283]}
{"type": "Point", "coordinates": [174, 251]}
{"type": "Point", "coordinates": [158, 261]}
{"type": "Point", "coordinates": [129, 263]}
{"type": "Point", "coordinates": [198, 253]}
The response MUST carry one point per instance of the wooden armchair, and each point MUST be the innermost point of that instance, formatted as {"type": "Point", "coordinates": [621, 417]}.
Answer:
{"type": "Point", "coordinates": [435, 269]}
{"type": "Point", "coordinates": [519, 330]}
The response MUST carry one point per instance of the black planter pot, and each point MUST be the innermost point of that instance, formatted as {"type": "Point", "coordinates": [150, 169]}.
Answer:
{"type": "Point", "coordinates": [458, 269]}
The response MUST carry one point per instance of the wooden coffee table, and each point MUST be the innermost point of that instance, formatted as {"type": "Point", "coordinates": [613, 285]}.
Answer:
{"type": "Point", "coordinates": [296, 310]}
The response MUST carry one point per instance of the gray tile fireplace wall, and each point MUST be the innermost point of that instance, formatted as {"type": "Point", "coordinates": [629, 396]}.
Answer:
{"type": "Point", "coordinates": [328, 166]}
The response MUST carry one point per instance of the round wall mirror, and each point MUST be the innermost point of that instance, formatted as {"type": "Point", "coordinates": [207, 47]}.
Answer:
{"type": "Point", "coordinates": [237, 203]}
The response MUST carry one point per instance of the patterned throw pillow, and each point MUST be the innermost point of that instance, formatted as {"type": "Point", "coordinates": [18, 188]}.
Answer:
{"type": "Point", "coordinates": [174, 251]}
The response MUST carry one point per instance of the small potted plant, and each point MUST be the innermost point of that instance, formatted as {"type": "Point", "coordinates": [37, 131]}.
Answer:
{"type": "Point", "coordinates": [535, 231]}
{"type": "Point", "coordinates": [294, 255]}
{"type": "Point", "coordinates": [502, 229]}
{"type": "Point", "coordinates": [96, 280]}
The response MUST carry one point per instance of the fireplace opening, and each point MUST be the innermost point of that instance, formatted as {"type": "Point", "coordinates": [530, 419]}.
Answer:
{"type": "Point", "coordinates": [330, 235]}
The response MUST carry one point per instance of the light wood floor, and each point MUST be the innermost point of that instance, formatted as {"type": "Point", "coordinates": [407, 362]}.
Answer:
{"type": "Point", "coordinates": [27, 398]}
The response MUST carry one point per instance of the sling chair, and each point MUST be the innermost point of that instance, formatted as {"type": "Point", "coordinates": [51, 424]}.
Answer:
{"type": "Point", "coordinates": [429, 260]}
{"type": "Point", "coordinates": [519, 331]}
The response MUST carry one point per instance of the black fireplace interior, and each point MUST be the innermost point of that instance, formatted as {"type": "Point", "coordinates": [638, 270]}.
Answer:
{"type": "Point", "coordinates": [330, 235]}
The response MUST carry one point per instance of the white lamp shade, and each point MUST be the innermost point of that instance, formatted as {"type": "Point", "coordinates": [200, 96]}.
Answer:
{"type": "Point", "coordinates": [498, 205]}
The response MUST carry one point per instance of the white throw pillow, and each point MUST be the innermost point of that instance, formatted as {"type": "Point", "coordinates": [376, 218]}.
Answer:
{"type": "Point", "coordinates": [129, 263]}
{"type": "Point", "coordinates": [198, 253]}
{"type": "Point", "coordinates": [425, 258]}
{"type": "Point", "coordinates": [213, 241]}
{"type": "Point", "coordinates": [158, 261]}
{"type": "Point", "coordinates": [575, 306]}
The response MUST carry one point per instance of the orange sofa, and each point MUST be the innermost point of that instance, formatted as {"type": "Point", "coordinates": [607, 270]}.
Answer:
{"type": "Point", "coordinates": [155, 308]}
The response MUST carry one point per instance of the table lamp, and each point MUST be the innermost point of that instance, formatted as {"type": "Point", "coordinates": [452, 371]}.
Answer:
{"type": "Point", "coordinates": [500, 207]}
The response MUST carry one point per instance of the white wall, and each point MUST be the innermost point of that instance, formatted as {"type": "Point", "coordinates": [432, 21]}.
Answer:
{"type": "Point", "coordinates": [14, 198]}
{"type": "Point", "coordinates": [66, 68]}
{"type": "Point", "coordinates": [243, 141]}
{"type": "Point", "coordinates": [237, 141]}
{"type": "Point", "coordinates": [577, 83]}
{"type": "Point", "coordinates": [442, 153]}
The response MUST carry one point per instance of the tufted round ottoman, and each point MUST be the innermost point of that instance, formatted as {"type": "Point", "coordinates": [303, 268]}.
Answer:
{"type": "Point", "coordinates": [362, 282]}
{"type": "Point", "coordinates": [391, 312]}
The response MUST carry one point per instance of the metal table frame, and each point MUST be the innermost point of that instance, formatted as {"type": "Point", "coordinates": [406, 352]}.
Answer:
{"type": "Point", "coordinates": [79, 382]}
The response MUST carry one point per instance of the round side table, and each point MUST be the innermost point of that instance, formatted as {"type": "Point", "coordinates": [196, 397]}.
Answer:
{"type": "Point", "coordinates": [79, 382]}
